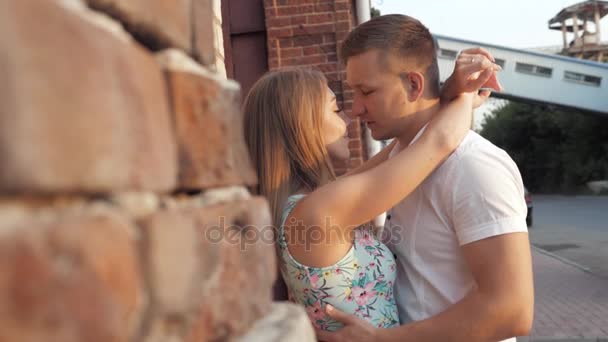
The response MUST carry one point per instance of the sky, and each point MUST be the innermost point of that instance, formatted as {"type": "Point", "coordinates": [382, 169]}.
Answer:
{"type": "Point", "coordinates": [511, 23]}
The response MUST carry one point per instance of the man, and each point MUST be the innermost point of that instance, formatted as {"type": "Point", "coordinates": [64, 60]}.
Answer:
{"type": "Point", "coordinates": [460, 239]}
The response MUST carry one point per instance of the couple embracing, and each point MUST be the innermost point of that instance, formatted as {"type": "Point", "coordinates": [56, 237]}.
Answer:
{"type": "Point", "coordinates": [453, 262]}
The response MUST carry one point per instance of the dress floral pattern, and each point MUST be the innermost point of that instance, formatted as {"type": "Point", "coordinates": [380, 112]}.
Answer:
{"type": "Point", "coordinates": [361, 283]}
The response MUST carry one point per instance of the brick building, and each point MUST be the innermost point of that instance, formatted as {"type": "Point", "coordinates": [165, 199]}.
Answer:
{"type": "Point", "coordinates": [262, 35]}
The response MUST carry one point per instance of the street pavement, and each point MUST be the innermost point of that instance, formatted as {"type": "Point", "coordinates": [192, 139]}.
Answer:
{"type": "Point", "coordinates": [571, 272]}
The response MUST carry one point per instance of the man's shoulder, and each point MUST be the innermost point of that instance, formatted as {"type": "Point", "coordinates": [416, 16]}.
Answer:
{"type": "Point", "coordinates": [474, 147]}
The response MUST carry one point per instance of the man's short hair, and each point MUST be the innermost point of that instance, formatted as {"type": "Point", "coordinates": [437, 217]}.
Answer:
{"type": "Point", "coordinates": [403, 36]}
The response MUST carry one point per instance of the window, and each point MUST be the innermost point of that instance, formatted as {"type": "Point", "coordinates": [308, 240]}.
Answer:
{"type": "Point", "coordinates": [582, 78]}
{"type": "Point", "coordinates": [450, 54]}
{"type": "Point", "coordinates": [533, 69]}
{"type": "Point", "coordinates": [500, 62]}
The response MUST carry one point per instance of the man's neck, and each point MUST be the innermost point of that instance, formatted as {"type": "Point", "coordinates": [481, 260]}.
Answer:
{"type": "Point", "coordinates": [417, 121]}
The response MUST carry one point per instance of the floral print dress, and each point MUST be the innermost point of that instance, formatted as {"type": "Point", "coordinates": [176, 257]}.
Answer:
{"type": "Point", "coordinates": [361, 283]}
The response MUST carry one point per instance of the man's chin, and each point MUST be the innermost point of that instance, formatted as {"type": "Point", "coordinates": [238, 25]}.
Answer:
{"type": "Point", "coordinates": [378, 135]}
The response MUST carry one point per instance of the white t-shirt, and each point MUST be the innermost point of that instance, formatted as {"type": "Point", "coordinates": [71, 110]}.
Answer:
{"type": "Point", "coordinates": [475, 194]}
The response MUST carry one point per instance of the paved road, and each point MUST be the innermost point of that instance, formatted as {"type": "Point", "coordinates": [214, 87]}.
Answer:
{"type": "Point", "coordinates": [570, 304]}
{"type": "Point", "coordinates": [575, 228]}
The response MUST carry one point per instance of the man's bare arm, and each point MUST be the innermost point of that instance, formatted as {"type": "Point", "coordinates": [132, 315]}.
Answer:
{"type": "Point", "coordinates": [501, 306]}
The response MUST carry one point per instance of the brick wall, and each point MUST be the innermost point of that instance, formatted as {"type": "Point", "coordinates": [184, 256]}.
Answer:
{"type": "Point", "coordinates": [124, 214]}
{"type": "Point", "coordinates": [308, 33]}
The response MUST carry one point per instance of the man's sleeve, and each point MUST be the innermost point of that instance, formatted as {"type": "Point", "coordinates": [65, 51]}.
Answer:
{"type": "Point", "coordinates": [487, 197]}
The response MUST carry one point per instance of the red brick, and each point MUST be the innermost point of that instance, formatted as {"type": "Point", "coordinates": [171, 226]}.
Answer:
{"type": "Point", "coordinates": [283, 42]}
{"type": "Point", "coordinates": [70, 276]}
{"type": "Point", "coordinates": [162, 23]}
{"type": "Point", "coordinates": [83, 109]}
{"type": "Point", "coordinates": [307, 40]}
{"type": "Point", "coordinates": [342, 6]}
{"type": "Point", "coordinates": [298, 20]}
{"type": "Point", "coordinates": [354, 129]}
{"type": "Point", "coordinates": [354, 144]}
{"type": "Point", "coordinates": [205, 44]}
{"type": "Point", "coordinates": [343, 16]}
{"type": "Point", "coordinates": [308, 60]}
{"type": "Point", "coordinates": [343, 26]}
{"type": "Point", "coordinates": [280, 32]}
{"type": "Point", "coordinates": [209, 127]}
{"type": "Point", "coordinates": [356, 153]}
{"type": "Point", "coordinates": [290, 52]}
{"type": "Point", "coordinates": [295, 9]}
{"type": "Point", "coordinates": [224, 279]}
{"type": "Point", "coordinates": [276, 22]}
{"type": "Point", "coordinates": [324, 7]}
{"type": "Point", "coordinates": [327, 68]}
{"type": "Point", "coordinates": [295, 2]}
{"type": "Point", "coordinates": [314, 29]}
{"type": "Point", "coordinates": [273, 64]}
{"type": "Point", "coordinates": [340, 36]}
{"type": "Point", "coordinates": [319, 18]}
{"type": "Point", "coordinates": [322, 49]}
{"type": "Point", "coordinates": [329, 38]}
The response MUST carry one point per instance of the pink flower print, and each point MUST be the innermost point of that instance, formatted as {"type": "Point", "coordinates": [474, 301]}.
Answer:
{"type": "Point", "coordinates": [338, 270]}
{"type": "Point", "coordinates": [315, 312]}
{"type": "Point", "coordinates": [366, 240]}
{"type": "Point", "coordinates": [364, 295]}
{"type": "Point", "coordinates": [314, 279]}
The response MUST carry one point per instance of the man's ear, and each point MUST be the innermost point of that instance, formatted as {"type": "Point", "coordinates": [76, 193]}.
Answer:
{"type": "Point", "coordinates": [414, 85]}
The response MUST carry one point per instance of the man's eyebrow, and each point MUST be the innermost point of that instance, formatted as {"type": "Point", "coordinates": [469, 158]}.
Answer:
{"type": "Point", "coordinates": [358, 85]}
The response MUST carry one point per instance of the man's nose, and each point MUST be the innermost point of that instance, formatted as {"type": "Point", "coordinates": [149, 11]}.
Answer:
{"type": "Point", "coordinates": [358, 108]}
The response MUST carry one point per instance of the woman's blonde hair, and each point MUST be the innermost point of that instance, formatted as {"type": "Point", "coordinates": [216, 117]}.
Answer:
{"type": "Point", "coordinates": [283, 129]}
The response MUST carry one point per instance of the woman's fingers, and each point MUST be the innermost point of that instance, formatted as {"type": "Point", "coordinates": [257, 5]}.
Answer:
{"type": "Point", "coordinates": [472, 63]}
{"type": "Point", "coordinates": [493, 83]}
{"type": "Point", "coordinates": [481, 80]}
{"type": "Point", "coordinates": [478, 51]}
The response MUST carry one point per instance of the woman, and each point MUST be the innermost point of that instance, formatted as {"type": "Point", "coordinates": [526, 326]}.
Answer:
{"type": "Point", "coordinates": [294, 131]}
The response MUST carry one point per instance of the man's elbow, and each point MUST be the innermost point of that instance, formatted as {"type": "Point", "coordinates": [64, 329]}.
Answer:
{"type": "Point", "coordinates": [522, 318]}
{"type": "Point", "coordinates": [523, 326]}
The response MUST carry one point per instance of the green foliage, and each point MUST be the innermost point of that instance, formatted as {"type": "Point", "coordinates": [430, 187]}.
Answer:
{"type": "Point", "coordinates": [556, 149]}
{"type": "Point", "coordinates": [375, 12]}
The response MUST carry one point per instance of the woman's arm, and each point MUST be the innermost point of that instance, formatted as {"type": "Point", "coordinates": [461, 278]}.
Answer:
{"type": "Point", "coordinates": [344, 204]}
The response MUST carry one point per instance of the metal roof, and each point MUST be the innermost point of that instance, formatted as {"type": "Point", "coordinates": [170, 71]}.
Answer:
{"type": "Point", "coordinates": [584, 10]}
{"type": "Point", "coordinates": [527, 52]}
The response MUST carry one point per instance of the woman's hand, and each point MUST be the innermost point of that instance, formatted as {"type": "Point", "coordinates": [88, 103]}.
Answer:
{"type": "Point", "coordinates": [474, 69]}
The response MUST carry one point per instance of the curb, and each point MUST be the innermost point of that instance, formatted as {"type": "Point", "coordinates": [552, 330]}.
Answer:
{"type": "Point", "coordinates": [564, 260]}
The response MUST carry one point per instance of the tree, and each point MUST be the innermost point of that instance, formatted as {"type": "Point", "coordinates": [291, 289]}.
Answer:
{"type": "Point", "coordinates": [375, 12]}
{"type": "Point", "coordinates": [555, 149]}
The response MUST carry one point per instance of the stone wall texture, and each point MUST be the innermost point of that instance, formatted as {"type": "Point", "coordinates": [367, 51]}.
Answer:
{"type": "Point", "coordinates": [124, 210]}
